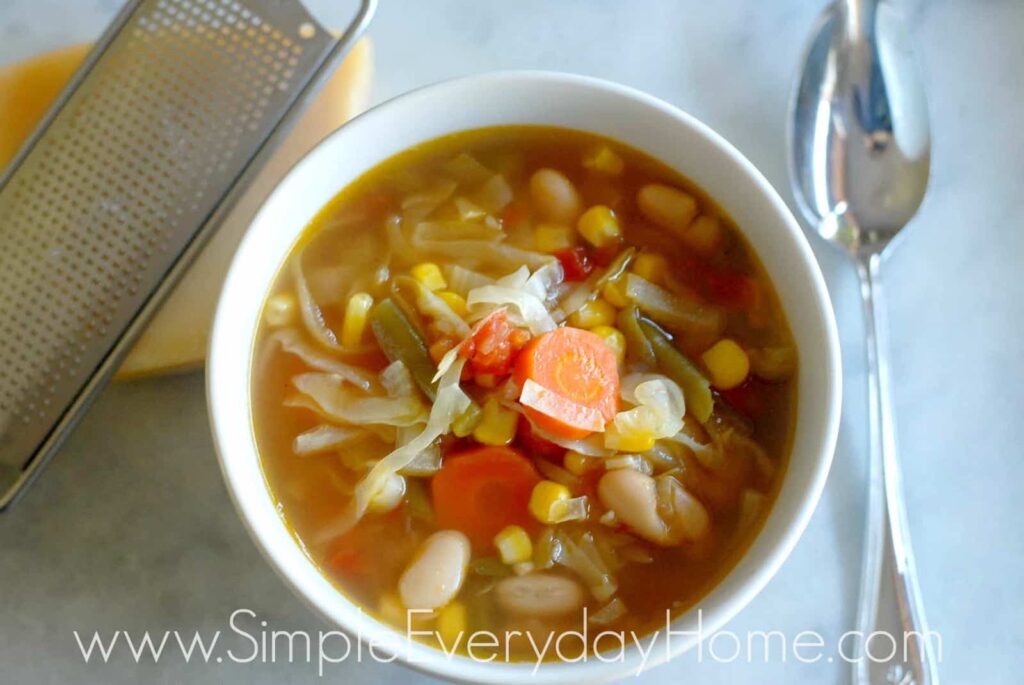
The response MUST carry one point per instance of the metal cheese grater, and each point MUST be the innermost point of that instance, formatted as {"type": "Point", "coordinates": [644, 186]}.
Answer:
{"type": "Point", "coordinates": [135, 165]}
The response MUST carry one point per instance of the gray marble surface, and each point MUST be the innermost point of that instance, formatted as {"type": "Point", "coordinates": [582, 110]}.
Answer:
{"type": "Point", "coordinates": [131, 529]}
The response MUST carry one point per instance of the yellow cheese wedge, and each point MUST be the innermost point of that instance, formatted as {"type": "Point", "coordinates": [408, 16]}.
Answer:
{"type": "Point", "coordinates": [176, 337]}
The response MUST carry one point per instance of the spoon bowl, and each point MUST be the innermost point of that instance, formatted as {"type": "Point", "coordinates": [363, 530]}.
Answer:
{"type": "Point", "coordinates": [859, 134]}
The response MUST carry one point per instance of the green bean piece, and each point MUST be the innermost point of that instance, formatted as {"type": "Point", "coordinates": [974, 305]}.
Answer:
{"type": "Point", "coordinates": [638, 347]}
{"type": "Point", "coordinates": [400, 341]}
{"type": "Point", "coordinates": [490, 567]}
{"type": "Point", "coordinates": [418, 500]}
{"type": "Point", "coordinates": [617, 268]}
{"type": "Point", "coordinates": [677, 366]}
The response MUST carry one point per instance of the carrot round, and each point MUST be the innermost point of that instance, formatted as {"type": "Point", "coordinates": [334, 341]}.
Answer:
{"type": "Point", "coordinates": [482, 490]}
{"type": "Point", "coordinates": [581, 374]}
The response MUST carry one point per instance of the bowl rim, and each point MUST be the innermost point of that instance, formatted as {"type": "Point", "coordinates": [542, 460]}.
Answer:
{"type": "Point", "coordinates": [223, 350]}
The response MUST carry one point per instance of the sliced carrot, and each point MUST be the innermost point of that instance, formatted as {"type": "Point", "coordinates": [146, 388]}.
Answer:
{"type": "Point", "coordinates": [482, 490]}
{"type": "Point", "coordinates": [581, 373]}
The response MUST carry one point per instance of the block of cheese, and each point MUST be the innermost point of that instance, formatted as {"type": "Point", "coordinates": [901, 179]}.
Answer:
{"type": "Point", "coordinates": [176, 337]}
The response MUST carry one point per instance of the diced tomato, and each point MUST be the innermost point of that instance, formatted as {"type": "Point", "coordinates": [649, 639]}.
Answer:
{"type": "Point", "coordinates": [575, 263]}
{"type": "Point", "coordinates": [747, 397]}
{"type": "Point", "coordinates": [493, 346]}
{"type": "Point", "coordinates": [606, 254]}
{"type": "Point", "coordinates": [731, 289]}
{"type": "Point", "coordinates": [534, 445]}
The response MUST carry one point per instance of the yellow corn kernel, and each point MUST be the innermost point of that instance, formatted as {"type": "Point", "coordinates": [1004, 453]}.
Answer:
{"type": "Point", "coordinates": [354, 324]}
{"type": "Point", "coordinates": [497, 425]}
{"type": "Point", "coordinates": [615, 292]}
{"type": "Point", "coordinates": [727, 364]}
{"type": "Point", "coordinates": [553, 237]}
{"type": "Point", "coordinates": [650, 266]}
{"type": "Point", "coordinates": [628, 442]}
{"type": "Point", "coordinates": [455, 301]}
{"type": "Point", "coordinates": [281, 309]}
{"type": "Point", "coordinates": [604, 161]}
{"type": "Point", "coordinates": [593, 313]}
{"type": "Point", "coordinates": [704, 234]}
{"type": "Point", "coordinates": [466, 422]}
{"type": "Point", "coordinates": [545, 500]}
{"type": "Point", "coordinates": [599, 226]}
{"type": "Point", "coordinates": [578, 464]}
{"type": "Point", "coordinates": [429, 274]}
{"type": "Point", "coordinates": [514, 545]}
{"type": "Point", "coordinates": [614, 339]}
{"type": "Point", "coordinates": [451, 624]}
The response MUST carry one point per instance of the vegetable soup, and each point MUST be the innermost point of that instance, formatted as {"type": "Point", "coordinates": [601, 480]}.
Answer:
{"type": "Point", "coordinates": [519, 379]}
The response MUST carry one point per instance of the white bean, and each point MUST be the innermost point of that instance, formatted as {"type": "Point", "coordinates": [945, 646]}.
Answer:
{"type": "Point", "coordinates": [659, 510]}
{"type": "Point", "coordinates": [436, 572]}
{"type": "Point", "coordinates": [539, 595]}
{"type": "Point", "coordinates": [666, 206]}
{"type": "Point", "coordinates": [555, 196]}
{"type": "Point", "coordinates": [633, 497]}
{"type": "Point", "coordinates": [686, 517]}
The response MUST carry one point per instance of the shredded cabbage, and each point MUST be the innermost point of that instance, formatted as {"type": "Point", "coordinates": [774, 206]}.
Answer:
{"type": "Point", "coordinates": [324, 438]}
{"type": "Point", "coordinates": [483, 251]}
{"type": "Point", "coordinates": [658, 411]}
{"type": "Point", "coordinates": [517, 291]}
{"type": "Point", "coordinates": [705, 453]}
{"type": "Point", "coordinates": [434, 307]}
{"type": "Point", "coordinates": [575, 509]}
{"type": "Point", "coordinates": [341, 404]}
{"type": "Point", "coordinates": [553, 472]}
{"type": "Point", "coordinates": [291, 342]}
{"type": "Point", "coordinates": [456, 230]}
{"type": "Point", "coordinates": [590, 446]}
{"type": "Point", "coordinates": [420, 205]}
{"type": "Point", "coordinates": [467, 169]}
{"type": "Point", "coordinates": [544, 282]}
{"type": "Point", "coordinates": [609, 613]}
{"type": "Point", "coordinates": [461, 280]}
{"type": "Point", "coordinates": [469, 210]}
{"type": "Point", "coordinates": [398, 244]}
{"type": "Point", "coordinates": [312, 317]}
{"type": "Point", "coordinates": [579, 553]}
{"type": "Point", "coordinates": [577, 297]}
{"type": "Point", "coordinates": [634, 462]}
{"type": "Point", "coordinates": [397, 380]}
{"type": "Point", "coordinates": [494, 194]}
{"type": "Point", "coordinates": [451, 402]}
{"type": "Point", "coordinates": [671, 311]}
{"type": "Point", "coordinates": [424, 464]}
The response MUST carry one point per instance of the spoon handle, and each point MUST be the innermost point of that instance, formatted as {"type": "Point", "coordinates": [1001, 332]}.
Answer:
{"type": "Point", "coordinates": [894, 643]}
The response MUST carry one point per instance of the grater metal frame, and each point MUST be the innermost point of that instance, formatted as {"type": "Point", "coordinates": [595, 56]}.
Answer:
{"type": "Point", "coordinates": [13, 480]}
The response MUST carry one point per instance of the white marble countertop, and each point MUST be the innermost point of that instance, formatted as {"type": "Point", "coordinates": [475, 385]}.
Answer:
{"type": "Point", "coordinates": [130, 528]}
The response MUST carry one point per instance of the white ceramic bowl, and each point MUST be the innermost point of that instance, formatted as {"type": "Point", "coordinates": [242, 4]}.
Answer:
{"type": "Point", "coordinates": [552, 99]}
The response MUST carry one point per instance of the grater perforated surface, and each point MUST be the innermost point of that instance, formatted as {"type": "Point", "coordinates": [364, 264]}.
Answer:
{"type": "Point", "coordinates": [104, 203]}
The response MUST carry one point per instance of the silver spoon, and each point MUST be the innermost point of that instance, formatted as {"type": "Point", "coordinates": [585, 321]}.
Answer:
{"type": "Point", "coordinates": [860, 146]}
